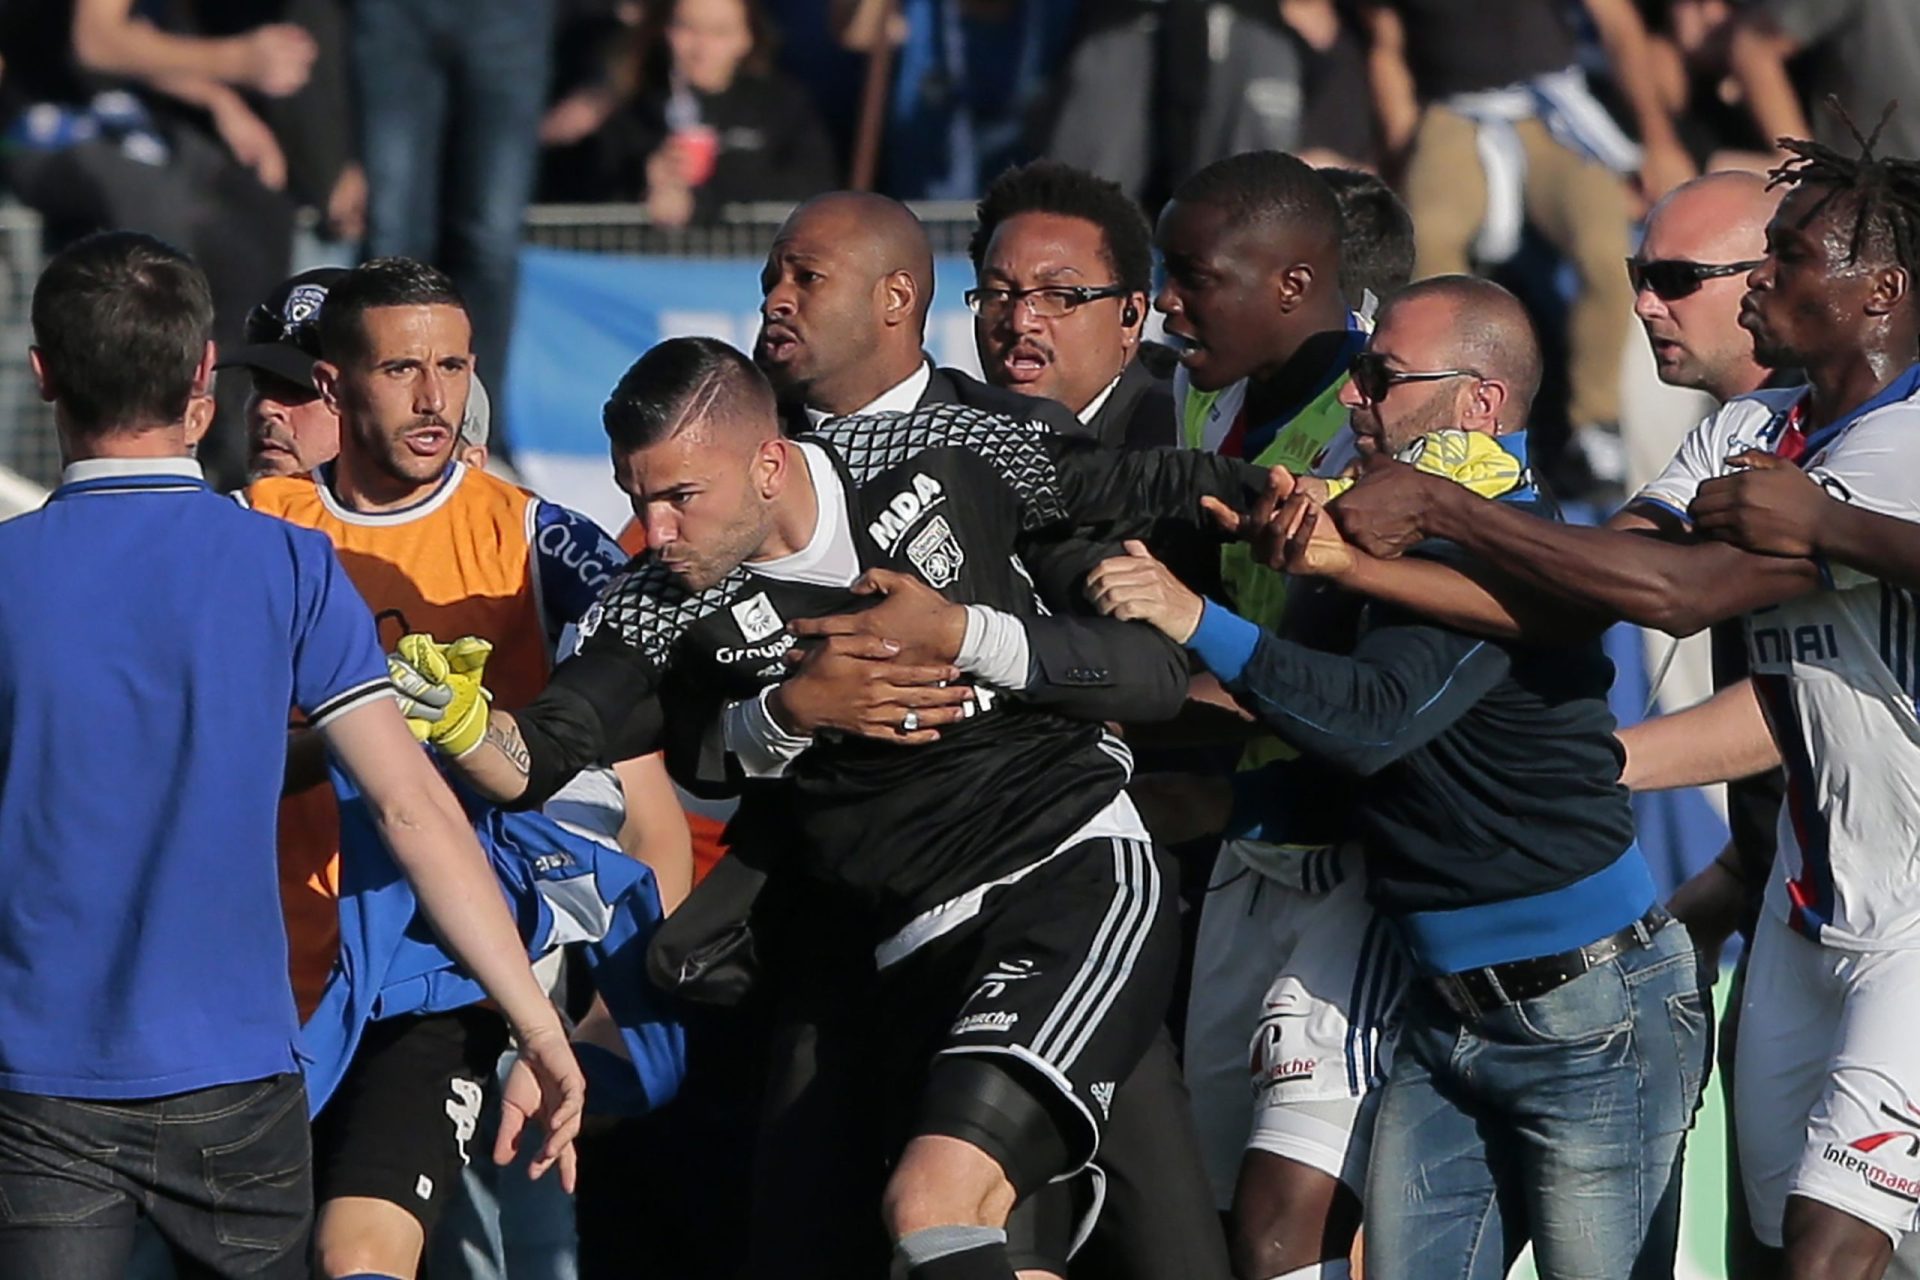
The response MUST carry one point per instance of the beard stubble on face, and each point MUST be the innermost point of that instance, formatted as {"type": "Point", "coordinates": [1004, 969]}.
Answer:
{"type": "Point", "coordinates": [399, 462]}
{"type": "Point", "coordinates": [700, 568]}
{"type": "Point", "coordinates": [1436, 413]}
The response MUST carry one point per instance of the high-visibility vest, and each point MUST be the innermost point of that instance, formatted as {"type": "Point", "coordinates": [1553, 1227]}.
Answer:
{"type": "Point", "coordinates": [1259, 594]}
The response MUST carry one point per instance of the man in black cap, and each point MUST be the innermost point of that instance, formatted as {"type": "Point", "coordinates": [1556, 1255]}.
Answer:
{"type": "Point", "coordinates": [290, 429]}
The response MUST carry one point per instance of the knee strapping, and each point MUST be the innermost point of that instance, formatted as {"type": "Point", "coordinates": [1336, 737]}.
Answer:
{"type": "Point", "coordinates": [982, 1103]}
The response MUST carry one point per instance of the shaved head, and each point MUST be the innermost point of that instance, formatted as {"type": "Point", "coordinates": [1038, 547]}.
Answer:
{"type": "Point", "coordinates": [1717, 217]}
{"type": "Point", "coordinates": [879, 228]}
{"type": "Point", "coordinates": [1488, 332]}
{"type": "Point", "coordinates": [845, 295]}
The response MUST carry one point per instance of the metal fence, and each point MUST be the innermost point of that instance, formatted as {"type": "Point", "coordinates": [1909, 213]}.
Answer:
{"type": "Point", "coordinates": [27, 443]}
{"type": "Point", "coordinates": [744, 231]}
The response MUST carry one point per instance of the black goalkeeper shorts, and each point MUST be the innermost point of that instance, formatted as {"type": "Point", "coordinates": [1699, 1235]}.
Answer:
{"type": "Point", "coordinates": [400, 1126]}
{"type": "Point", "coordinates": [1062, 977]}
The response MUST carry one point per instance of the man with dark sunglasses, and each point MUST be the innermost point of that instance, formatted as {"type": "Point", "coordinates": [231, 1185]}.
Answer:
{"type": "Point", "coordinates": [1688, 278]}
{"type": "Point", "coordinates": [290, 429]}
{"type": "Point", "coordinates": [1827, 609]}
{"type": "Point", "coordinates": [1553, 1035]}
{"type": "Point", "coordinates": [846, 288]}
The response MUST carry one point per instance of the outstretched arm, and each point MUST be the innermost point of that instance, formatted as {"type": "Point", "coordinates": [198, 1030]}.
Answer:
{"type": "Point", "coordinates": [1115, 495]}
{"type": "Point", "coordinates": [1720, 740]}
{"type": "Point", "coordinates": [431, 840]}
{"type": "Point", "coordinates": [1402, 686]}
{"type": "Point", "coordinates": [599, 706]}
{"type": "Point", "coordinates": [1776, 509]}
{"type": "Point", "coordinates": [1674, 587]}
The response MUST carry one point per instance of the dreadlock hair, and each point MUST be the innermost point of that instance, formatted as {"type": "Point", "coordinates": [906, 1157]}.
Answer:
{"type": "Point", "coordinates": [1884, 190]}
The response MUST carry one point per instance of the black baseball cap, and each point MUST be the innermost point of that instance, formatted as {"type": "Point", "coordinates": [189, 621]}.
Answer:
{"type": "Point", "coordinates": [283, 333]}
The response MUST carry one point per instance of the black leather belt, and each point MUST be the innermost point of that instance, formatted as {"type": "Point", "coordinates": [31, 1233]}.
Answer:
{"type": "Point", "coordinates": [1473, 992]}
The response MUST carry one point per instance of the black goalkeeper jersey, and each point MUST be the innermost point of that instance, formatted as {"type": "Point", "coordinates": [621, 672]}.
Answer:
{"type": "Point", "coordinates": [963, 500]}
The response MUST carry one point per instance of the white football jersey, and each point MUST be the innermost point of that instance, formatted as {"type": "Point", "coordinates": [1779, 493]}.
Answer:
{"type": "Point", "coordinates": [1746, 422]}
{"type": "Point", "coordinates": [1838, 673]}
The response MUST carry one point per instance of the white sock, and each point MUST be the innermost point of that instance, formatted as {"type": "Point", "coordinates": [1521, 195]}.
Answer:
{"type": "Point", "coordinates": [1340, 1270]}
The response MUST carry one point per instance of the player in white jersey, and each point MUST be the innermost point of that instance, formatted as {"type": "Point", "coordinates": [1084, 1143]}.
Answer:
{"type": "Point", "coordinates": [1830, 1047]}
{"type": "Point", "coordinates": [1295, 982]}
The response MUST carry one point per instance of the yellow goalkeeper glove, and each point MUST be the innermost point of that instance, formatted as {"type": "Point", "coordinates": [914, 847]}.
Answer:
{"type": "Point", "coordinates": [441, 693]}
{"type": "Point", "coordinates": [1469, 458]}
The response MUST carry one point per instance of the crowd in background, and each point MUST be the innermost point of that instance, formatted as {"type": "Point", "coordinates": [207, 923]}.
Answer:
{"type": "Point", "coordinates": [425, 127]}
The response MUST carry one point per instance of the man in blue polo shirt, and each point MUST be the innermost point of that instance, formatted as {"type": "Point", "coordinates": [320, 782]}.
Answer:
{"type": "Point", "coordinates": [152, 636]}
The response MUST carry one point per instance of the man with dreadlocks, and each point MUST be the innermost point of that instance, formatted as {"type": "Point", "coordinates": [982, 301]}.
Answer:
{"type": "Point", "coordinates": [1797, 508]}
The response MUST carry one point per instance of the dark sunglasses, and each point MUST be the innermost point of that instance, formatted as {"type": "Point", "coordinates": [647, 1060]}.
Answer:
{"type": "Point", "coordinates": [1672, 278]}
{"type": "Point", "coordinates": [1374, 377]}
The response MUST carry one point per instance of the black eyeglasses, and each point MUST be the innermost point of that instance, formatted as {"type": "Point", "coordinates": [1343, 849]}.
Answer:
{"type": "Point", "coordinates": [1048, 302]}
{"type": "Point", "coordinates": [1374, 377]}
{"type": "Point", "coordinates": [1673, 278]}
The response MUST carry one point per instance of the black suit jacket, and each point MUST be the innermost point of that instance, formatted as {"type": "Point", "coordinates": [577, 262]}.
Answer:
{"type": "Point", "coordinates": [1139, 414]}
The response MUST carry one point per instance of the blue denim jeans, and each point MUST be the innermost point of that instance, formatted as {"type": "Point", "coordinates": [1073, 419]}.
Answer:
{"type": "Point", "coordinates": [223, 1174]}
{"type": "Point", "coordinates": [1560, 1120]}
{"type": "Point", "coordinates": [502, 1223]}
{"type": "Point", "coordinates": [451, 93]}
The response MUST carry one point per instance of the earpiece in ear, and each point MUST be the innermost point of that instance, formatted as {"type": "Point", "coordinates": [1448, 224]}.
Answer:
{"type": "Point", "coordinates": [1130, 315]}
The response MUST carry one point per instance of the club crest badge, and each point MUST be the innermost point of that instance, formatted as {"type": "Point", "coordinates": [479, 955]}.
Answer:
{"type": "Point", "coordinates": [936, 553]}
{"type": "Point", "coordinates": [303, 304]}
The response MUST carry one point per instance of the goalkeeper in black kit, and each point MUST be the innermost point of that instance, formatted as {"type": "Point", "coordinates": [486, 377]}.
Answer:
{"type": "Point", "coordinates": [1024, 934]}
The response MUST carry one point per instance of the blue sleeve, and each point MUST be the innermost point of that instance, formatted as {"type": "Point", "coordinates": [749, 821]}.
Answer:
{"type": "Point", "coordinates": [1224, 640]}
{"type": "Point", "coordinates": [337, 662]}
{"type": "Point", "coordinates": [1403, 686]}
{"type": "Point", "coordinates": [574, 558]}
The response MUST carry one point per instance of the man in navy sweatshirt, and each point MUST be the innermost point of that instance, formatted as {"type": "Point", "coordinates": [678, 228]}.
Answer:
{"type": "Point", "coordinates": [1555, 1037]}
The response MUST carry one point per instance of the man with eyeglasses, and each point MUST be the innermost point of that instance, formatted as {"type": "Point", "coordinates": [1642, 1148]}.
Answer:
{"type": "Point", "coordinates": [1063, 268]}
{"type": "Point", "coordinates": [1554, 1037]}
{"type": "Point", "coordinates": [845, 289]}
{"type": "Point", "coordinates": [290, 429]}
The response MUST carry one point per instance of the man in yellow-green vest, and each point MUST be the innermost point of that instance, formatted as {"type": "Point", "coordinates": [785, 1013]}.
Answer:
{"type": "Point", "coordinates": [1290, 957]}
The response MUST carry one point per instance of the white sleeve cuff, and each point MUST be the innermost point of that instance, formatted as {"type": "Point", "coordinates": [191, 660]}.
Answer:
{"type": "Point", "coordinates": [994, 650]}
{"type": "Point", "coordinates": [754, 738]}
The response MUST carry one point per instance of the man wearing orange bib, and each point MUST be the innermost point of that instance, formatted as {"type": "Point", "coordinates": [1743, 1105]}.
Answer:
{"type": "Point", "coordinates": [434, 546]}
